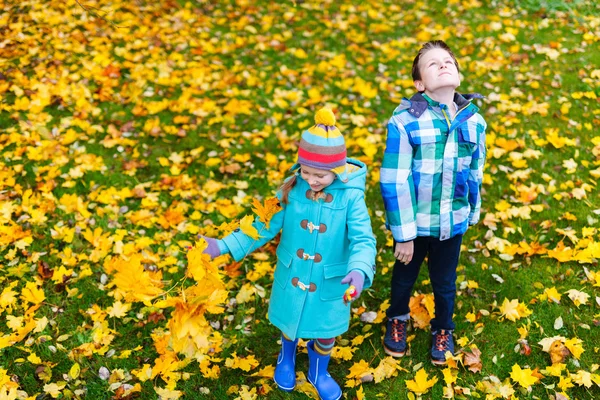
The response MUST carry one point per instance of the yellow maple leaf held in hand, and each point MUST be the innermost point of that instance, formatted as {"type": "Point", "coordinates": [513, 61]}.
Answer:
{"type": "Point", "coordinates": [247, 227]}
{"type": "Point", "coordinates": [265, 212]}
{"type": "Point", "coordinates": [421, 384]}
{"type": "Point", "coordinates": [523, 377]}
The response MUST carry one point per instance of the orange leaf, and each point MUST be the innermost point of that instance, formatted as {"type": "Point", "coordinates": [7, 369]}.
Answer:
{"type": "Point", "coordinates": [265, 212]}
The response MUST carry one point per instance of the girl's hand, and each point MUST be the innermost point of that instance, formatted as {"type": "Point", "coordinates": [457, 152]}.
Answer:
{"type": "Point", "coordinates": [354, 279]}
{"type": "Point", "coordinates": [213, 248]}
{"type": "Point", "coordinates": [404, 252]}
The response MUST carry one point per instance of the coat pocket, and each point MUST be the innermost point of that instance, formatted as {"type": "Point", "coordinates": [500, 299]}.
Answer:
{"type": "Point", "coordinates": [331, 287]}
{"type": "Point", "coordinates": [282, 270]}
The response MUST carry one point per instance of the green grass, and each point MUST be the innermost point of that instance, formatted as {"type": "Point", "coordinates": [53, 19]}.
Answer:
{"type": "Point", "coordinates": [519, 54]}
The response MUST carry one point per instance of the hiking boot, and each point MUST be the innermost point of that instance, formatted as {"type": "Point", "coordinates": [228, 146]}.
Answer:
{"type": "Point", "coordinates": [442, 342]}
{"type": "Point", "coordinates": [394, 341]}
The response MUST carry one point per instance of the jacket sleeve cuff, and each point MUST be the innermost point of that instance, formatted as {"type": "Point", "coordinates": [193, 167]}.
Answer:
{"type": "Point", "coordinates": [234, 247]}
{"type": "Point", "coordinates": [367, 270]}
{"type": "Point", "coordinates": [223, 249]}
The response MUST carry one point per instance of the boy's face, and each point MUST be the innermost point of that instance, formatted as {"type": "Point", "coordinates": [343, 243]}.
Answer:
{"type": "Point", "coordinates": [438, 71]}
{"type": "Point", "coordinates": [318, 179]}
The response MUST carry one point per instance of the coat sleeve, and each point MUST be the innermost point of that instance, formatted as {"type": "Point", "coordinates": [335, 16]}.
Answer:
{"type": "Point", "coordinates": [396, 183]}
{"type": "Point", "coordinates": [240, 244]}
{"type": "Point", "coordinates": [476, 173]}
{"type": "Point", "coordinates": [362, 241]}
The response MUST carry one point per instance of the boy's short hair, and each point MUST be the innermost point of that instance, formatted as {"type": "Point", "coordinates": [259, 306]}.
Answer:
{"type": "Point", "coordinates": [434, 44]}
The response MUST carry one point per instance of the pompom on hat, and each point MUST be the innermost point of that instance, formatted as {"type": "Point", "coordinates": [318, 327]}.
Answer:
{"type": "Point", "coordinates": [322, 146]}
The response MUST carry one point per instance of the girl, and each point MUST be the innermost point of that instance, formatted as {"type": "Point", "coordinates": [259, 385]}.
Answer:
{"type": "Point", "coordinates": [326, 244]}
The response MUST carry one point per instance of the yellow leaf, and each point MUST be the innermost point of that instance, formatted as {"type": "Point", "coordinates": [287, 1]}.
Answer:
{"type": "Point", "coordinates": [247, 227]}
{"type": "Point", "coordinates": [575, 346]}
{"type": "Point", "coordinates": [266, 372]}
{"type": "Point", "coordinates": [578, 297]}
{"type": "Point", "coordinates": [246, 293]}
{"type": "Point", "coordinates": [450, 375]}
{"type": "Point", "coordinates": [513, 310]}
{"type": "Point", "coordinates": [32, 293]}
{"type": "Point", "coordinates": [167, 394]}
{"type": "Point", "coordinates": [421, 384]}
{"type": "Point", "coordinates": [265, 212]}
{"type": "Point", "coordinates": [552, 295]}
{"type": "Point", "coordinates": [34, 359]}
{"type": "Point", "coordinates": [583, 378]}
{"type": "Point", "coordinates": [54, 389]}
{"type": "Point", "coordinates": [523, 377]}
{"type": "Point", "coordinates": [74, 371]}
{"type": "Point", "coordinates": [358, 369]}
{"type": "Point", "coordinates": [243, 363]}
{"type": "Point", "coordinates": [360, 394]}
{"type": "Point", "coordinates": [118, 309]}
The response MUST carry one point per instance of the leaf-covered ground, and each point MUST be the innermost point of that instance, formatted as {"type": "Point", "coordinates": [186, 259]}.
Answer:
{"type": "Point", "coordinates": [128, 127]}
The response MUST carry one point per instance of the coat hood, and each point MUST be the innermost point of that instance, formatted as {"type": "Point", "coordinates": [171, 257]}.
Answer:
{"type": "Point", "coordinates": [353, 176]}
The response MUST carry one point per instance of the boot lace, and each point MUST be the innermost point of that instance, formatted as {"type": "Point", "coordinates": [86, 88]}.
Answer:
{"type": "Point", "coordinates": [398, 330]}
{"type": "Point", "coordinates": [442, 340]}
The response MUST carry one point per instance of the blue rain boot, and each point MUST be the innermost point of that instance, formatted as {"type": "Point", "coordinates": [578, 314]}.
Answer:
{"type": "Point", "coordinates": [285, 371]}
{"type": "Point", "coordinates": [326, 386]}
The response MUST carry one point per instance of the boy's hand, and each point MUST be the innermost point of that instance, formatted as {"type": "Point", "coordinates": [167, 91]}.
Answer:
{"type": "Point", "coordinates": [404, 252]}
{"type": "Point", "coordinates": [354, 279]}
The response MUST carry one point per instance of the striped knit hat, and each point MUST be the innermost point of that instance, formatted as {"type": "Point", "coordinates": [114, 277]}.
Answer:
{"type": "Point", "coordinates": [322, 146]}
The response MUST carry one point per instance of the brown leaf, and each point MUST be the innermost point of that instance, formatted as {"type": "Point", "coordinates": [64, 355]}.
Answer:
{"type": "Point", "coordinates": [43, 373]}
{"type": "Point", "coordinates": [525, 349]}
{"type": "Point", "coordinates": [558, 352]}
{"type": "Point", "coordinates": [472, 360]}
{"type": "Point", "coordinates": [44, 270]}
{"type": "Point", "coordinates": [155, 317]}
{"type": "Point", "coordinates": [230, 169]}
{"type": "Point", "coordinates": [139, 192]}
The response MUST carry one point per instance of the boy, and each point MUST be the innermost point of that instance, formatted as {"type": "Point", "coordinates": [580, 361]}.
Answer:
{"type": "Point", "coordinates": [430, 181]}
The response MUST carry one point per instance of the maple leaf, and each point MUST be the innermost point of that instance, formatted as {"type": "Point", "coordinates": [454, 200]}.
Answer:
{"type": "Point", "coordinates": [265, 212]}
{"type": "Point", "coordinates": [555, 369]}
{"type": "Point", "coordinates": [450, 375]}
{"type": "Point", "coordinates": [575, 347]}
{"type": "Point", "coordinates": [578, 297]}
{"type": "Point", "coordinates": [582, 378]}
{"type": "Point", "coordinates": [421, 384]}
{"type": "Point", "coordinates": [243, 363]}
{"type": "Point", "coordinates": [472, 359]}
{"type": "Point", "coordinates": [246, 225]}
{"type": "Point", "coordinates": [387, 368]}
{"type": "Point", "coordinates": [513, 310]}
{"type": "Point", "coordinates": [168, 394]}
{"type": "Point", "coordinates": [523, 377]}
{"type": "Point", "coordinates": [360, 394]}
{"type": "Point", "coordinates": [32, 293]}
{"type": "Point", "coordinates": [133, 282]}
{"type": "Point", "coordinates": [266, 372]}
{"type": "Point", "coordinates": [358, 369]}
{"type": "Point", "coordinates": [118, 309]}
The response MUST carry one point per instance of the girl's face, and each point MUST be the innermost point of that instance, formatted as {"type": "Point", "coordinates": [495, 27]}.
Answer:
{"type": "Point", "coordinates": [318, 179]}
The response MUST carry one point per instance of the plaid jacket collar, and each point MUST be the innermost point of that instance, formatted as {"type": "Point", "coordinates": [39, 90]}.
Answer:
{"type": "Point", "coordinates": [420, 101]}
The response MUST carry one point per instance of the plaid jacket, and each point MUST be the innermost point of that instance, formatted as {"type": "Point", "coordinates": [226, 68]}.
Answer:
{"type": "Point", "coordinates": [432, 168]}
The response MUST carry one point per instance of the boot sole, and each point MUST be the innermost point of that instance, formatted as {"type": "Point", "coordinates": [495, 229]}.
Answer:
{"type": "Point", "coordinates": [285, 389]}
{"type": "Point", "coordinates": [439, 362]}
{"type": "Point", "coordinates": [313, 385]}
{"type": "Point", "coordinates": [395, 354]}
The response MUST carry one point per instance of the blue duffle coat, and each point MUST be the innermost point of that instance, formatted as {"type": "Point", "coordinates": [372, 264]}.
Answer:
{"type": "Point", "coordinates": [322, 240]}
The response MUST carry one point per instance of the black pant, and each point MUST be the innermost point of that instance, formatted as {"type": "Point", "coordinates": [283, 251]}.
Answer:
{"type": "Point", "coordinates": [442, 262]}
